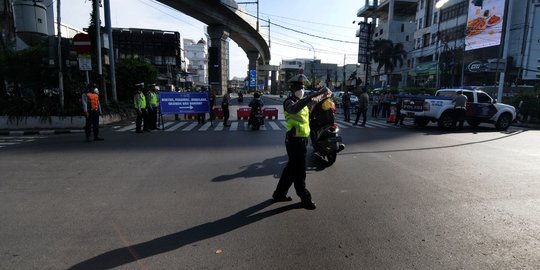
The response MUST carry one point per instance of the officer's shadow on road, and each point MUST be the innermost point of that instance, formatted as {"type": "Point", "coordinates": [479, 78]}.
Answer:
{"type": "Point", "coordinates": [271, 166]}
{"type": "Point", "coordinates": [124, 255]}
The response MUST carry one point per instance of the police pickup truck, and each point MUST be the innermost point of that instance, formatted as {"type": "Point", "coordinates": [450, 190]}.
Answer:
{"type": "Point", "coordinates": [481, 108]}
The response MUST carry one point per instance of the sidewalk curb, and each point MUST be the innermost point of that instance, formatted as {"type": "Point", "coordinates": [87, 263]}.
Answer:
{"type": "Point", "coordinates": [38, 132]}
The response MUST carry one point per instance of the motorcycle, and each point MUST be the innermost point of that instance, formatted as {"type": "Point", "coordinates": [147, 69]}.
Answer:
{"type": "Point", "coordinates": [324, 135]}
{"type": "Point", "coordinates": [256, 119]}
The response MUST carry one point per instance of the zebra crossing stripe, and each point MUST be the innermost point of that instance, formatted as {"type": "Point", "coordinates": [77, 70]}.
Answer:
{"type": "Point", "coordinates": [234, 126]}
{"type": "Point", "coordinates": [274, 125]}
{"type": "Point", "coordinates": [175, 127]}
{"type": "Point", "coordinates": [283, 123]}
{"type": "Point", "coordinates": [205, 126]}
{"type": "Point", "coordinates": [219, 127]}
{"type": "Point", "coordinates": [379, 124]}
{"type": "Point", "coordinates": [190, 127]}
{"type": "Point", "coordinates": [7, 143]}
{"type": "Point", "coordinates": [130, 127]}
{"type": "Point", "coordinates": [166, 125]}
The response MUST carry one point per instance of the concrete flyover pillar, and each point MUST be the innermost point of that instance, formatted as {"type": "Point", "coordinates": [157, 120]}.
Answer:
{"type": "Point", "coordinates": [253, 56]}
{"type": "Point", "coordinates": [218, 58]}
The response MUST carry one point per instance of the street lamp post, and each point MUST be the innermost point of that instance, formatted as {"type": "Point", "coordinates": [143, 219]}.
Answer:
{"type": "Point", "coordinates": [313, 63]}
{"type": "Point", "coordinates": [438, 6]}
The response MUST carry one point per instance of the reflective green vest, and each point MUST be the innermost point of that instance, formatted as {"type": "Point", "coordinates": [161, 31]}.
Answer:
{"type": "Point", "coordinates": [299, 121]}
{"type": "Point", "coordinates": [153, 99]}
{"type": "Point", "coordinates": [140, 100]}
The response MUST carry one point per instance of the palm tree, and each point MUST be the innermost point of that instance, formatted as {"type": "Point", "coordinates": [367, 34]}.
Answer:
{"type": "Point", "coordinates": [387, 55]}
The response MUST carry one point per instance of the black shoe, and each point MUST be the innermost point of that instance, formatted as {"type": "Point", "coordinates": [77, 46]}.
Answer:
{"type": "Point", "coordinates": [363, 125]}
{"type": "Point", "coordinates": [282, 198]}
{"type": "Point", "coordinates": [98, 139]}
{"type": "Point", "coordinates": [309, 205]}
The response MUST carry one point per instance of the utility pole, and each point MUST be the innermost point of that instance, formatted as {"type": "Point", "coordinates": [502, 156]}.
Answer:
{"type": "Point", "coordinates": [112, 72]}
{"type": "Point", "coordinates": [98, 44]}
{"type": "Point", "coordinates": [60, 75]}
{"type": "Point", "coordinates": [506, 40]}
{"type": "Point", "coordinates": [256, 2]}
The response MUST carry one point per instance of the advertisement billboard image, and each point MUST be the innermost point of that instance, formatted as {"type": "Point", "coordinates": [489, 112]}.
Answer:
{"type": "Point", "coordinates": [484, 24]}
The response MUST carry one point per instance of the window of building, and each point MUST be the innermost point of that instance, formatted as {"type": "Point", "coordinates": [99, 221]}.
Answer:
{"type": "Point", "coordinates": [407, 38]}
{"type": "Point", "coordinates": [433, 38]}
{"type": "Point", "coordinates": [420, 21]}
{"type": "Point", "coordinates": [381, 31]}
{"type": "Point", "coordinates": [158, 60]}
{"type": "Point", "coordinates": [170, 60]}
{"type": "Point", "coordinates": [402, 28]}
{"type": "Point", "coordinates": [426, 40]}
{"type": "Point", "coordinates": [421, 4]}
{"type": "Point", "coordinates": [435, 17]}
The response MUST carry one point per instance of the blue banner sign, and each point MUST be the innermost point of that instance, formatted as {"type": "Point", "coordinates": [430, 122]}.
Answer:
{"type": "Point", "coordinates": [252, 78]}
{"type": "Point", "coordinates": [183, 102]}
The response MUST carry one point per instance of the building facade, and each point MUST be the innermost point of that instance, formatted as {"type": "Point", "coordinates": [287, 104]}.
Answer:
{"type": "Point", "coordinates": [197, 55]}
{"type": "Point", "coordinates": [390, 20]}
{"type": "Point", "coordinates": [442, 57]}
{"type": "Point", "coordinates": [159, 48]}
{"type": "Point", "coordinates": [316, 72]}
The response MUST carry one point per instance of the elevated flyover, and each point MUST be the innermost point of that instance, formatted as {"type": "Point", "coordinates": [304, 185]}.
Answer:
{"type": "Point", "coordinates": [224, 20]}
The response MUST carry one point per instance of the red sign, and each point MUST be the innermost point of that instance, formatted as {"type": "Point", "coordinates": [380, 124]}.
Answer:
{"type": "Point", "coordinates": [82, 43]}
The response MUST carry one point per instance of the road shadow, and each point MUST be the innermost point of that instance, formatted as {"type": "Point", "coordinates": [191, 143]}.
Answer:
{"type": "Point", "coordinates": [271, 166]}
{"type": "Point", "coordinates": [129, 254]}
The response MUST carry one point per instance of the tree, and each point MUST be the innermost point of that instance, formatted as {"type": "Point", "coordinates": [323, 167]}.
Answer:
{"type": "Point", "coordinates": [387, 55]}
{"type": "Point", "coordinates": [132, 71]}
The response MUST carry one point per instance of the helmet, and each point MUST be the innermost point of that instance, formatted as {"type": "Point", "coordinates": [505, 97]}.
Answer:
{"type": "Point", "coordinates": [96, 91]}
{"type": "Point", "coordinates": [299, 78]}
{"type": "Point", "coordinates": [256, 95]}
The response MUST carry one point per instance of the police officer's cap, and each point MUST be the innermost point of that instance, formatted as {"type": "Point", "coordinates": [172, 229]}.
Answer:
{"type": "Point", "coordinates": [299, 78]}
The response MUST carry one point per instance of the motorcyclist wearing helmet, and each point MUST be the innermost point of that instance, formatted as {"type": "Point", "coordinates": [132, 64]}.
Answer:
{"type": "Point", "coordinates": [296, 114]}
{"type": "Point", "coordinates": [256, 104]}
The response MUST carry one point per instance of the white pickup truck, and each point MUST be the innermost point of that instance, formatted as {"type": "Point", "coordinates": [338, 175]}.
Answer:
{"type": "Point", "coordinates": [481, 108]}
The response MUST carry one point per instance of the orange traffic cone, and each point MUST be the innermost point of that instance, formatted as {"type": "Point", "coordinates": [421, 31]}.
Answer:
{"type": "Point", "coordinates": [392, 117]}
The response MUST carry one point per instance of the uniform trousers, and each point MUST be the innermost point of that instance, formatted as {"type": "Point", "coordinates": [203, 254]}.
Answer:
{"type": "Point", "coordinates": [295, 170]}
{"type": "Point", "coordinates": [92, 123]}
{"type": "Point", "coordinates": [141, 118]}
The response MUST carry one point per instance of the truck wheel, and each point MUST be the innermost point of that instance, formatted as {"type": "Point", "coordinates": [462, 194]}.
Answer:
{"type": "Point", "coordinates": [446, 121]}
{"type": "Point", "coordinates": [504, 121]}
{"type": "Point", "coordinates": [473, 123]}
{"type": "Point", "coordinates": [421, 122]}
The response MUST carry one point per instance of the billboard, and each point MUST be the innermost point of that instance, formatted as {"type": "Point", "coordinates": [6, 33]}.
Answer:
{"type": "Point", "coordinates": [363, 44]}
{"type": "Point", "coordinates": [484, 24]}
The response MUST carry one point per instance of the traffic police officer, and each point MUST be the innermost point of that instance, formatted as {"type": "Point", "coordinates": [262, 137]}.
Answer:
{"type": "Point", "coordinates": [92, 110]}
{"type": "Point", "coordinates": [139, 102]}
{"type": "Point", "coordinates": [296, 114]}
{"type": "Point", "coordinates": [152, 105]}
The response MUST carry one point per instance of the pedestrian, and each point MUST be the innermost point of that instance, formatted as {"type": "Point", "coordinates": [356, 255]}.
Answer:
{"type": "Point", "coordinates": [92, 110]}
{"type": "Point", "coordinates": [385, 105]}
{"type": "Point", "coordinates": [225, 106]}
{"type": "Point", "coordinates": [139, 103]}
{"type": "Point", "coordinates": [375, 105]}
{"type": "Point", "coordinates": [152, 106]}
{"type": "Point", "coordinates": [399, 116]}
{"type": "Point", "coordinates": [362, 107]}
{"type": "Point", "coordinates": [460, 108]}
{"type": "Point", "coordinates": [296, 114]}
{"type": "Point", "coordinates": [346, 102]}
{"type": "Point", "coordinates": [212, 103]}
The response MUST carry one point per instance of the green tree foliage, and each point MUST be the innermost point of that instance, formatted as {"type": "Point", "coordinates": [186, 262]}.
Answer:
{"type": "Point", "coordinates": [387, 55]}
{"type": "Point", "coordinates": [130, 72]}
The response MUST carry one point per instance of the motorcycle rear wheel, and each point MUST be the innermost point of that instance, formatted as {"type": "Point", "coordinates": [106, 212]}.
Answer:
{"type": "Point", "coordinates": [331, 158]}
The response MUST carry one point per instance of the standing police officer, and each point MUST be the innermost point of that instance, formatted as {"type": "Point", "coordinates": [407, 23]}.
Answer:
{"type": "Point", "coordinates": [296, 114]}
{"type": "Point", "coordinates": [152, 105]}
{"type": "Point", "coordinates": [139, 102]}
{"type": "Point", "coordinates": [92, 110]}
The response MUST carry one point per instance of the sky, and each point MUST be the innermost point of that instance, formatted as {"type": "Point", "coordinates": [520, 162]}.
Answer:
{"type": "Point", "coordinates": [325, 26]}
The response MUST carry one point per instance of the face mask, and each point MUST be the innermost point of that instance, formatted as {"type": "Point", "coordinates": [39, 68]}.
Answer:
{"type": "Point", "coordinates": [299, 93]}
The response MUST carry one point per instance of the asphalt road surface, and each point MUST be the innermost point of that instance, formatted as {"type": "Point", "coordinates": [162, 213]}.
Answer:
{"type": "Point", "coordinates": [397, 198]}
